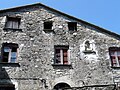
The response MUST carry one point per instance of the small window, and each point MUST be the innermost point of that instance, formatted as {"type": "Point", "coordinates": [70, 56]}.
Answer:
{"type": "Point", "coordinates": [72, 26]}
{"type": "Point", "coordinates": [48, 25]}
{"type": "Point", "coordinates": [12, 23]}
{"type": "Point", "coordinates": [115, 56]}
{"type": "Point", "coordinates": [9, 52]}
{"type": "Point", "coordinates": [61, 55]}
{"type": "Point", "coordinates": [6, 87]}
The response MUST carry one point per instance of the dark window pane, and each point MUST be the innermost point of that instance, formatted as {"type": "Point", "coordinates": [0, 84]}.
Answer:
{"type": "Point", "coordinates": [72, 26]}
{"type": "Point", "coordinates": [5, 56]}
{"type": "Point", "coordinates": [14, 49]}
{"type": "Point", "coordinates": [57, 54]}
{"type": "Point", "coordinates": [47, 25]}
{"type": "Point", "coordinates": [65, 52]}
{"type": "Point", "coordinates": [13, 57]}
{"type": "Point", "coordinates": [112, 53]}
{"type": "Point", "coordinates": [7, 88]}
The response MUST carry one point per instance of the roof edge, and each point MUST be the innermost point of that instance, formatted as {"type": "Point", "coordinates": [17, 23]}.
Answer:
{"type": "Point", "coordinates": [22, 6]}
{"type": "Point", "coordinates": [67, 15]}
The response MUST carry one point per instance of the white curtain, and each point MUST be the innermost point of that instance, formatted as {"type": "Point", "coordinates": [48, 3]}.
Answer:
{"type": "Point", "coordinates": [12, 24]}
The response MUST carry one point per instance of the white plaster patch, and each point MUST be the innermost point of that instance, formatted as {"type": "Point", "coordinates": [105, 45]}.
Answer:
{"type": "Point", "coordinates": [15, 83]}
{"type": "Point", "coordinates": [3, 20]}
{"type": "Point", "coordinates": [92, 52]}
{"type": "Point", "coordinates": [75, 34]}
{"type": "Point", "coordinates": [21, 45]}
{"type": "Point", "coordinates": [60, 27]}
{"type": "Point", "coordinates": [36, 66]}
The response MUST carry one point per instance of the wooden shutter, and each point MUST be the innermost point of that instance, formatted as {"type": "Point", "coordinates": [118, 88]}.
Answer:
{"type": "Point", "coordinates": [65, 56]}
{"type": "Point", "coordinates": [58, 56]}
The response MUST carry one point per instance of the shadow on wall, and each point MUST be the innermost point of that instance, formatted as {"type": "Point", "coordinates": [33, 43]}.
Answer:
{"type": "Point", "coordinates": [65, 86]}
{"type": "Point", "coordinates": [61, 86]}
{"type": "Point", "coordinates": [5, 81]}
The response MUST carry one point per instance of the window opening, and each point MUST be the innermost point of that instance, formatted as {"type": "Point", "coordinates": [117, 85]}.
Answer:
{"type": "Point", "coordinates": [61, 55]}
{"type": "Point", "coordinates": [115, 56]}
{"type": "Point", "coordinates": [12, 23]}
{"type": "Point", "coordinates": [72, 26]}
{"type": "Point", "coordinates": [9, 53]}
{"type": "Point", "coordinates": [48, 25]}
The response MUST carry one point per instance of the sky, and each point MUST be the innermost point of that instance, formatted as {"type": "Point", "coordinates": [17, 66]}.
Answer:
{"type": "Point", "coordinates": [103, 13]}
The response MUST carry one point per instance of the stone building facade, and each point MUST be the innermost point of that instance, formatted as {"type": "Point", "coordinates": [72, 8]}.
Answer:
{"type": "Point", "coordinates": [45, 49]}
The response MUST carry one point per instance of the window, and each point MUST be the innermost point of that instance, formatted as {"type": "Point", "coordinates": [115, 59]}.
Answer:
{"type": "Point", "coordinates": [61, 55]}
{"type": "Point", "coordinates": [9, 52]}
{"type": "Point", "coordinates": [115, 56]}
{"type": "Point", "coordinates": [12, 23]}
{"type": "Point", "coordinates": [48, 25]}
{"type": "Point", "coordinates": [7, 87]}
{"type": "Point", "coordinates": [62, 86]}
{"type": "Point", "coordinates": [72, 26]}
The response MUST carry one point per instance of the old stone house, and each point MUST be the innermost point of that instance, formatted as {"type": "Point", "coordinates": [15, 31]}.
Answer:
{"type": "Point", "coordinates": [45, 49]}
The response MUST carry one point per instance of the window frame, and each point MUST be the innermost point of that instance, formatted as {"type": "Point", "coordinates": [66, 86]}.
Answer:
{"type": "Point", "coordinates": [10, 51]}
{"type": "Point", "coordinates": [12, 19]}
{"type": "Point", "coordinates": [116, 55]}
{"type": "Point", "coordinates": [62, 53]}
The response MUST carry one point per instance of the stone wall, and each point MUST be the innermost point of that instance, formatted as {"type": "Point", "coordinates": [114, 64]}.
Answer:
{"type": "Point", "coordinates": [36, 51]}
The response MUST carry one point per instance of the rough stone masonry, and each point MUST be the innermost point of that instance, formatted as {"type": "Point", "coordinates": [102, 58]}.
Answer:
{"type": "Point", "coordinates": [35, 70]}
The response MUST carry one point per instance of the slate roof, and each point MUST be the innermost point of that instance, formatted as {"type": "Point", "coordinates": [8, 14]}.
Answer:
{"type": "Point", "coordinates": [69, 16]}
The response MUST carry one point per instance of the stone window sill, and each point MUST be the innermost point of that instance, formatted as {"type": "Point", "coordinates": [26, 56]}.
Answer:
{"type": "Point", "coordinates": [89, 52]}
{"type": "Point", "coordinates": [115, 67]}
{"type": "Point", "coordinates": [61, 65]}
{"type": "Point", "coordinates": [17, 29]}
